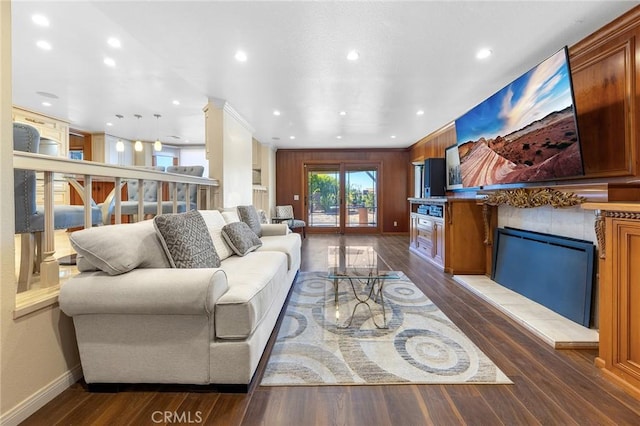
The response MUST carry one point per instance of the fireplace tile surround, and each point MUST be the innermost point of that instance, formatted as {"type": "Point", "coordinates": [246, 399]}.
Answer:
{"type": "Point", "coordinates": [552, 328]}
{"type": "Point", "coordinates": [572, 222]}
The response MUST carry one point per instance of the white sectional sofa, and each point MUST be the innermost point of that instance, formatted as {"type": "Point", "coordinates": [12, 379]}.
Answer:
{"type": "Point", "coordinates": [138, 320]}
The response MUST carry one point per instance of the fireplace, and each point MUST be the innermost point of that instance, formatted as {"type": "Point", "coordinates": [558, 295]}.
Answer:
{"type": "Point", "coordinates": [557, 272]}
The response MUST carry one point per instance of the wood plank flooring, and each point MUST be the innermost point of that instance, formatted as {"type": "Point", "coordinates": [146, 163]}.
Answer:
{"type": "Point", "coordinates": [551, 387]}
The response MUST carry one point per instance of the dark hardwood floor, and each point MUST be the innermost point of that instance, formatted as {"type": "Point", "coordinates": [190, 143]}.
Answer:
{"type": "Point", "coordinates": [551, 387]}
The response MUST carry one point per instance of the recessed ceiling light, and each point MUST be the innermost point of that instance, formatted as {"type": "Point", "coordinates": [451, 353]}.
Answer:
{"type": "Point", "coordinates": [393, 136]}
{"type": "Point", "coordinates": [241, 56]}
{"type": "Point", "coordinates": [109, 124]}
{"type": "Point", "coordinates": [176, 102]}
{"type": "Point", "coordinates": [292, 137]}
{"type": "Point", "coordinates": [420, 112]}
{"type": "Point", "coordinates": [483, 53]}
{"type": "Point", "coordinates": [41, 20]}
{"type": "Point", "coordinates": [44, 45]}
{"type": "Point", "coordinates": [114, 42]}
{"type": "Point", "coordinates": [343, 112]}
{"type": "Point", "coordinates": [338, 137]}
{"type": "Point", "coordinates": [353, 55]}
{"type": "Point", "coordinates": [109, 62]}
{"type": "Point", "coordinates": [47, 104]}
{"type": "Point", "coordinates": [276, 112]}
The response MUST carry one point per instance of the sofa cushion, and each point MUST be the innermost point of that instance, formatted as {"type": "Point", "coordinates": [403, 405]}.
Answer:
{"type": "Point", "coordinates": [254, 281]}
{"type": "Point", "coordinates": [115, 249]}
{"type": "Point", "coordinates": [249, 215]}
{"type": "Point", "coordinates": [186, 240]}
{"type": "Point", "coordinates": [240, 238]}
{"type": "Point", "coordinates": [230, 216]}
{"type": "Point", "coordinates": [289, 244]}
{"type": "Point", "coordinates": [215, 222]}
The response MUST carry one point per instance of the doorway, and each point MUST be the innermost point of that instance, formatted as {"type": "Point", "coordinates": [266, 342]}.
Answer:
{"type": "Point", "coordinates": [342, 198]}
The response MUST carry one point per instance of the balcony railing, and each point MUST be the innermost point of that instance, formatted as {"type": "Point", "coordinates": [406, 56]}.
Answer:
{"type": "Point", "coordinates": [85, 171]}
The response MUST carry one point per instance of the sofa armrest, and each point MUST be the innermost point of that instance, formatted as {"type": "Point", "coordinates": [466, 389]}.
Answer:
{"type": "Point", "coordinates": [144, 291]}
{"type": "Point", "coordinates": [273, 229]}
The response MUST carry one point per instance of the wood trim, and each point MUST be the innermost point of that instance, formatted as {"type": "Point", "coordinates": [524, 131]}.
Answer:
{"type": "Point", "coordinates": [625, 22]}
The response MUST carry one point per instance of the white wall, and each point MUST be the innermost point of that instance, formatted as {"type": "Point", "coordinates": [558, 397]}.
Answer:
{"type": "Point", "coordinates": [38, 352]}
{"type": "Point", "coordinates": [229, 152]}
{"type": "Point", "coordinates": [194, 156]}
{"type": "Point", "coordinates": [238, 167]}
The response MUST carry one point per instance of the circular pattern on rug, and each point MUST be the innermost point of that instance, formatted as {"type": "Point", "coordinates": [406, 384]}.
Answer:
{"type": "Point", "coordinates": [432, 352]}
{"type": "Point", "coordinates": [309, 362]}
{"type": "Point", "coordinates": [420, 345]}
{"type": "Point", "coordinates": [292, 320]}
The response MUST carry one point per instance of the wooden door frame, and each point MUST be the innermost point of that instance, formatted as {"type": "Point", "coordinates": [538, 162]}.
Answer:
{"type": "Point", "coordinates": [342, 167]}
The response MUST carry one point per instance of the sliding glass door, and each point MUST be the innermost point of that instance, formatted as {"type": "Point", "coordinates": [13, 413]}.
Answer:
{"type": "Point", "coordinates": [341, 197]}
{"type": "Point", "coordinates": [323, 197]}
{"type": "Point", "coordinates": [361, 190]}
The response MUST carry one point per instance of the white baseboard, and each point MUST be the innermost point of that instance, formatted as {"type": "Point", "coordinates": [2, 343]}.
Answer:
{"type": "Point", "coordinates": [22, 411]}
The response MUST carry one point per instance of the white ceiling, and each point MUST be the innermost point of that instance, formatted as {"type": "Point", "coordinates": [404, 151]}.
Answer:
{"type": "Point", "coordinates": [413, 56]}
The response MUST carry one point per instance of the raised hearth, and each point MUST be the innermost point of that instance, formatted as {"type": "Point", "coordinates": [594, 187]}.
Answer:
{"type": "Point", "coordinates": [556, 330]}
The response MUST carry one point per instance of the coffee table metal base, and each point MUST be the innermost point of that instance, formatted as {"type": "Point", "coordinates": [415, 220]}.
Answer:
{"type": "Point", "coordinates": [372, 295]}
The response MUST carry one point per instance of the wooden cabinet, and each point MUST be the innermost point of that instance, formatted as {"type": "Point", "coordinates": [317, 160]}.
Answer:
{"type": "Point", "coordinates": [48, 127]}
{"type": "Point", "coordinates": [58, 131]}
{"type": "Point", "coordinates": [618, 232]}
{"type": "Point", "coordinates": [428, 237]}
{"type": "Point", "coordinates": [449, 233]}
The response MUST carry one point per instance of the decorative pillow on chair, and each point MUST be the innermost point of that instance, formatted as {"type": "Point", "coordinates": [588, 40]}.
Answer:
{"type": "Point", "coordinates": [249, 215]}
{"type": "Point", "coordinates": [240, 238]}
{"type": "Point", "coordinates": [186, 240]}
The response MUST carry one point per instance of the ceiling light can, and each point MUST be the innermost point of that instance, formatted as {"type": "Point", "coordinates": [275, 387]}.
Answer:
{"type": "Point", "coordinates": [241, 56]}
{"type": "Point", "coordinates": [41, 20]}
{"type": "Point", "coordinates": [44, 45]}
{"type": "Point", "coordinates": [483, 53]}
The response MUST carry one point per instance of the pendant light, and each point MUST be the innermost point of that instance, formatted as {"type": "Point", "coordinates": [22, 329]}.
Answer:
{"type": "Point", "coordinates": [138, 145]}
{"type": "Point", "coordinates": [119, 143]}
{"type": "Point", "coordinates": [157, 145]}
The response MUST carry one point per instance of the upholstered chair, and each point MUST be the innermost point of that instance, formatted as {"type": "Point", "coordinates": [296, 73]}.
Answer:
{"type": "Point", "coordinates": [29, 217]}
{"type": "Point", "coordinates": [149, 196]}
{"type": "Point", "coordinates": [284, 214]}
{"type": "Point", "coordinates": [182, 187]}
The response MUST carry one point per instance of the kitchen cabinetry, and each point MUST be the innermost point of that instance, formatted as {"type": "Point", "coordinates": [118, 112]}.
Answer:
{"type": "Point", "coordinates": [55, 130]}
{"type": "Point", "coordinates": [48, 127]}
{"type": "Point", "coordinates": [449, 233]}
{"type": "Point", "coordinates": [618, 232]}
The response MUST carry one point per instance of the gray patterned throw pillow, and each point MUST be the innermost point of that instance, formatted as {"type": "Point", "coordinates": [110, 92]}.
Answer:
{"type": "Point", "coordinates": [240, 238]}
{"type": "Point", "coordinates": [249, 215]}
{"type": "Point", "coordinates": [186, 240]}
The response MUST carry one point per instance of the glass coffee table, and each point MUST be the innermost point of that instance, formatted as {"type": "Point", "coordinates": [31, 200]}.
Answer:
{"type": "Point", "coordinates": [364, 270]}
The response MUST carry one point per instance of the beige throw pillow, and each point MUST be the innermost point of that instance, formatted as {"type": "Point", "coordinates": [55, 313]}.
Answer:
{"type": "Point", "coordinates": [116, 249]}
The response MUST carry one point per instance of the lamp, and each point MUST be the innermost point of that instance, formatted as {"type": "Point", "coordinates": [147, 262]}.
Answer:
{"type": "Point", "coordinates": [157, 145]}
{"type": "Point", "coordinates": [138, 145]}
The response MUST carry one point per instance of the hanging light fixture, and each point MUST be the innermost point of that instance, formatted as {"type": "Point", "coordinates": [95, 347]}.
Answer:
{"type": "Point", "coordinates": [157, 145]}
{"type": "Point", "coordinates": [119, 143]}
{"type": "Point", "coordinates": [138, 145]}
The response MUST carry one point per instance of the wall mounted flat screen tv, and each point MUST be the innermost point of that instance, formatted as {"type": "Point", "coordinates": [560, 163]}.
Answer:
{"type": "Point", "coordinates": [526, 132]}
